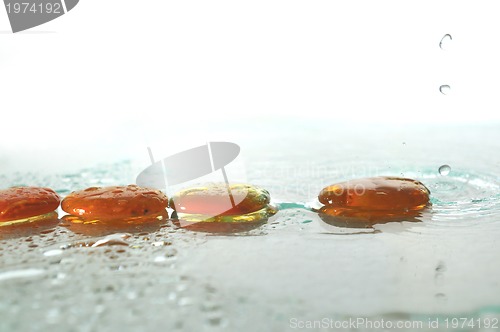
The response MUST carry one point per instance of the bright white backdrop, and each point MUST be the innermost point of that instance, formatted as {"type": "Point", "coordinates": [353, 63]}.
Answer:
{"type": "Point", "coordinates": [111, 77]}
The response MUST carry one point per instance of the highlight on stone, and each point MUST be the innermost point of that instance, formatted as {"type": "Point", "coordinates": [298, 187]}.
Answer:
{"type": "Point", "coordinates": [45, 223]}
{"type": "Point", "coordinates": [24, 204]}
{"type": "Point", "coordinates": [373, 200]}
{"type": "Point", "coordinates": [222, 207]}
{"type": "Point", "coordinates": [116, 203]}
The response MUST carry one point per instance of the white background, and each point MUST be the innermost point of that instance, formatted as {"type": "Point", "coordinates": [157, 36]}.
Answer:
{"type": "Point", "coordinates": [112, 77]}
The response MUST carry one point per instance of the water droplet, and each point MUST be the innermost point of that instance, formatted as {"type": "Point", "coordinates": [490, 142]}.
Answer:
{"type": "Point", "coordinates": [185, 301]}
{"type": "Point", "coordinates": [15, 274]}
{"type": "Point", "coordinates": [445, 41]}
{"type": "Point", "coordinates": [215, 321]}
{"type": "Point", "coordinates": [160, 259]}
{"type": "Point", "coordinates": [441, 267]}
{"type": "Point", "coordinates": [444, 170]}
{"type": "Point", "coordinates": [444, 89]}
{"type": "Point", "coordinates": [110, 240]}
{"type": "Point", "coordinates": [54, 252]}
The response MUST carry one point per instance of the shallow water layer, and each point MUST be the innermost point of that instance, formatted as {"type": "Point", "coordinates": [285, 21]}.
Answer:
{"type": "Point", "coordinates": [295, 268]}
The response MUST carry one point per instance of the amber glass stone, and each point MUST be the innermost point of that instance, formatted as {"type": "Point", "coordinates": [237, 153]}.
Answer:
{"type": "Point", "coordinates": [111, 203]}
{"type": "Point", "coordinates": [24, 202]}
{"type": "Point", "coordinates": [377, 193]}
{"type": "Point", "coordinates": [214, 199]}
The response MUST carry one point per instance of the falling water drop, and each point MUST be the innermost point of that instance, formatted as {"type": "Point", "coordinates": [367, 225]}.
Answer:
{"type": "Point", "coordinates": [444, 89]}
{"type": "Point", "coordinates": [444, 170]}
{"type": "Point", "coordinates": [445, 41]}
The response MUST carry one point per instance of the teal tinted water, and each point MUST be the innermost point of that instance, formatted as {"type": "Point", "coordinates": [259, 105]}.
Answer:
{"type": "Point", "coordinates": [294, 269]}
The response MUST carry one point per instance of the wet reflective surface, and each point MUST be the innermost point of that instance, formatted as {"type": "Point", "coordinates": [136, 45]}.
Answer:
{"type": "Point", "coordinates": [296, 264]}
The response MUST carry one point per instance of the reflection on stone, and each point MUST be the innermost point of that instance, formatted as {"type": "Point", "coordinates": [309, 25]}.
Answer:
{"type": "Point", "coordinates": [29, 226]}
{"type": "Point", "coordinates": [357, 218]}
{"type": "Point", "coordinates": [224, 223]}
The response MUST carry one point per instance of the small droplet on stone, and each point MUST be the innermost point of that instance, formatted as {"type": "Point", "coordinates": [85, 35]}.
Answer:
{"type": "Point", "coordinates": [444, 89]}
{"type": "Point", "coordinates": [444, 170]}
{"type": "Point", "coordinates": [445, 41]}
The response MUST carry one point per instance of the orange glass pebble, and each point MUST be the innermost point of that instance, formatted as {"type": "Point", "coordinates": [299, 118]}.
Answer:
{"type": "Point", "coordinates": [26, 202]}
{"type": "Point", "coordinates": [111, 203]}
{"type": "Point", "coordinates": [214, 200]}
{"type": "Point", "coordinates": [377, 194]}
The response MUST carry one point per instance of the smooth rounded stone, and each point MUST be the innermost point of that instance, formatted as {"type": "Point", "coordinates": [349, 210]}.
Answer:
{"type": "Point", "coordinates": [19, 203]}
{"type": "Point", "coordinates": [377, 194]}
{"type": "Point", "coordinates": [113, 203]}
{"type": "Point", "coordinates": [214, 200]}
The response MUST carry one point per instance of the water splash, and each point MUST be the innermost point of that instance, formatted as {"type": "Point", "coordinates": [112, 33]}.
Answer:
{"type": "Point", "coordinates": [464, 198]}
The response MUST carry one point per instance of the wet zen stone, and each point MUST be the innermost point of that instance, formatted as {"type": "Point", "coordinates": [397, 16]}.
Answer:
{"type": "Point", "coordinates": [214, 200]}
{"type": "Point", "coordinates": [111, 203]}
{"type": "Point", "coordinates": [377, 194]}
{"type": "Point", "coordinates": [26, 202]}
